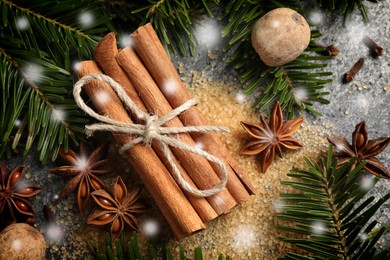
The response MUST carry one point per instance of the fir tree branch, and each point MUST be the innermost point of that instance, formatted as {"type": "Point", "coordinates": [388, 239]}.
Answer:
{"type": "Point", "coordinates": [332, 210]}
{"type": "Point", "coordinates": [47, 41]}
{"type": "Point", "coordinates": [73, 30]}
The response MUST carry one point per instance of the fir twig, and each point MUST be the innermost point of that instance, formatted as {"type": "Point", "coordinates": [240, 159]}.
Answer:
{"type": "Point", "coordinates": [174, 20]}
{"type": "Point", "coordinates": [332, 211]}
{"type": "Point", "coordinates": [37, 41]}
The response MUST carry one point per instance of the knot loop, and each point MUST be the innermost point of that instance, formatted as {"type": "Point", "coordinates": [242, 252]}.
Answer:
{"type": "Point", "coordinates": [152, 130]}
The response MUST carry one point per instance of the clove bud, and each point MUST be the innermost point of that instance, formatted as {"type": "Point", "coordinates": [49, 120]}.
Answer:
{"type": "Point", "coordinates": [350, 75]}
{"type": "Point", "coordinates": [375, 49]}
{"type": "Point", "coordinates": [330, 50]}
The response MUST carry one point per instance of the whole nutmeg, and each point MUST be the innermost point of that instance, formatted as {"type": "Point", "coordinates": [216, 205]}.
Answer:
{"type": "Point", "coordinates": [21, 241]}
{"type": "Point", "coordinates": [280, 36]}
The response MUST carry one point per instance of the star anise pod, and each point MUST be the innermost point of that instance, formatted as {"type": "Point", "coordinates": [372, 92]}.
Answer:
{"type": "Point", "coordinates": [271, 137]}
{"type": "Point", "coordinates": [84, 169]}
{"type": "Point", "coordinates": [363, 149]}
{"type": "Point", "coordinates": [14, 193]}
{"type": "Point", "coordinates": [117, 208]}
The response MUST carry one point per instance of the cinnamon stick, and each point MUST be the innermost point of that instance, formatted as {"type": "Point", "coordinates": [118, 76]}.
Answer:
{"type": "Point", "coordinates": [149, 48]}
{"type": "Point", "coordinates": [175, 207]}
{"type": "Point", "coordinates": [197, 167]}
{"type": "Point", "coordinates": [104, 55]}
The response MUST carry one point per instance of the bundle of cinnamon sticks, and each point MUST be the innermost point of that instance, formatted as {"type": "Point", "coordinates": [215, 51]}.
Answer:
{"type": "Point", "coordinates": [152, 82]}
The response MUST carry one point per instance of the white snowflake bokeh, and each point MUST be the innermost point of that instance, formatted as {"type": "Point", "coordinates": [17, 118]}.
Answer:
{"type": "Point", "coordinates": [22, 23]}
{"type": "Point", "coordinates": [125, 40]}
{"type": "Point", "coordinates": [366, 182]}
{"type": "Point", "coordinates": [316, 17]}
{"type": "Point", "coordinates": [102, 97]}
{"type": "Point", "coordinates": [17, 123]}
{"type": "Point", "coordinates": [54, 232]}
{"type": "Point", "coordinates": [199, 145]}
{"type": "Point", "coordinates": [33, 72]}
{"type": "Point", "coordinates": [355, 32]}
{"type": "Point", "coordinates": [57, 115]}
{"type": "Point", "coordinates": [240, 97]}
{"type": "Point", "coordinates": [169, 87]}
{"type": "Point", "coordinates": [150, 228]}
{"type": "Point", "coordinates": [86, 19]}
{"type": "Point", "coordinates": [82, 163]}
{"type": "Point", "coordinates": [300, 94]}
{"type": "Point", "coordinates": [16, 244]}
{"type": "Point", "coordinates": [317, 227]}
{"type": "Point", "coordinates": [208, 33]}
{"type": "Point", "coordinates": [77, 66]}
{"type": "Point", "coordinates": [363, 236]}
{"type": "Point", "coordinates": [245, 238]}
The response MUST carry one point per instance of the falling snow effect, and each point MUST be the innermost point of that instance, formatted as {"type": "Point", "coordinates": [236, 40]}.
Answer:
{"type": "Point", "coordinates": [126, 41]}
{"type": "Point", "coordinates": [199, 144]}
{"type": "Point", "coordinates": [17, 123]}
{"type": "Point", "coordinates": [57, 115]}
{"type": "Point", "coordinates": [363, 237]}
{"type": "Point", "coordinates": [54, 232]}
{"type": "Point", "coordinates": [33, 73]}
{"type": "Point", "coordinates": [150, 228]}
{"type": "Point", "coordinates": [355, 33]}
{"type": "Point", "coordinates": [361, 103]}
{"type": "Point", "coordinates": [22, 23]}
{"type": "Point", "coordinates": [318, 228]}
{"type": "Point", "coordinates": [300, 94]}
{"type": "Point", "coordinates": [82, 163]}
{"type": "Point", "coordinates": [77, 66]}
{"type": "Point", "coordinates": [208, 33]}
{"type": "Point", "coordinates": [240, 97]}
{"type": "Point", "coordinates": [366, 182]}
{"type": "Point", "coordinates": [169, 87]}
{"type": "Point", "coordinates": [86, 19]}
{"type": "Point", "coordinates": [316, 18]}
{"type": "Point", "coordinates": [245, 238]}
{"type": "Point", "coordinates": [102, 97]}
{"type": "Point", "coordinates": [278, 206]}
{"type": "Point", "coordinates": [16, 244]}
{"type": "Point", "coordinates": [339, 147]}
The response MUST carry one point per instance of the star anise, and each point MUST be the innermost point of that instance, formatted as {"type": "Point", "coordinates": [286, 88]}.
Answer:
{"type": "Point", "coordinates": [271, 137]}
{"type": "Point", "coordinates": [14, 193]}
{"type": "Point", "coordinates": [363, 149]}
{"type": "Point", "coordinates": [84, 171]}
{"type": "Point", "coordinates": [118, 208]}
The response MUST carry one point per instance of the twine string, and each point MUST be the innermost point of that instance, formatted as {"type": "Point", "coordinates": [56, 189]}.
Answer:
{"type": "Point", "coordinates": [152, 130]}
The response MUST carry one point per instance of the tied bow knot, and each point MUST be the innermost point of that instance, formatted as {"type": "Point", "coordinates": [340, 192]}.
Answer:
{"type": "Point", "coordinates": [152, 130]}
